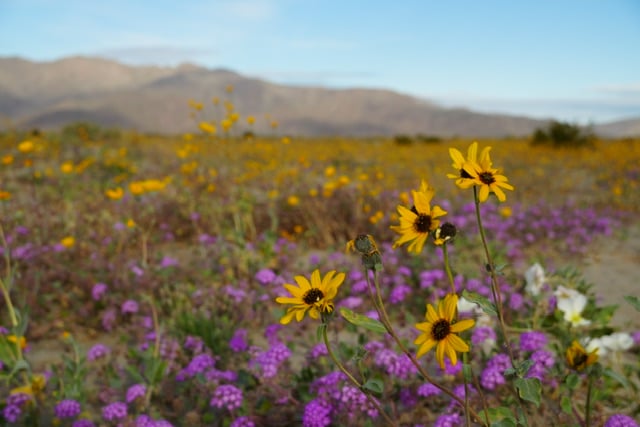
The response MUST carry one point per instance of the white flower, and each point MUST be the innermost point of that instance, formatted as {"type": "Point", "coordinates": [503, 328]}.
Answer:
{"type": "Point", "coordinates": [619, 341]}
{"type": "Point", "coordinates": [535, 278]}
{"type": "Point", "coordinates": [596, 344]}
{"type": "Point", "coordinates": [466, 306]}
{"type": "Point", "coordinates": [572, 303]}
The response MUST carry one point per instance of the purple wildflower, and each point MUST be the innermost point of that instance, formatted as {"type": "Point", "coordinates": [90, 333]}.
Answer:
{"type": "Point", "coordinates": [317, 413]}
{"type": "Point", "coordinates": [144, 420]}
{"type": "Point", "coordinates": [135, 391]}
{"type": "Point", "coordinates": [427, 390]}
{"type": "Point", "coordinates": [194, 344]}
{"type": "Point", "coordinates": [265, 276]}
{"type": "Point", "coordinates": [238, 342]}
{"type": "Point", "coordinates": [11, 413]}
{"type": "Point", "coordinates": [96, 352]}
{"type": "Point", "coordinates": [516, 301]}
{"type": "Point", "coordinates": [83, 423]}
{"type": "Point", "coordinates": [227, 396]}
{"type": "Point", "coordinates": [109, 319]}
{"type": "Point", "coordinates": [98, 290]}
{"type": "Point", "coordinates": [620, 420]}
{"type": "Point", "coordinates": [271, 359]}
{"type": "Point", "coordinates": [397, 365]}
{"type": "Point", "coordinates": [242, 422]}
{"type": "Point", "coordinates": [67, 408]}
{"type": "Point", "coordinates": [399, 293]}
{"type": "Point", "coordinates": [532, 341]}
{"type": "Point", "coordinates": [198, 365]}
{"type": "Point", "coordinates": [168, 261]}
{"type": "Point", "coordinates": [543, 360]}
{"type": "Point", "coordinates": [449, 420]}
{"type": "Point", "coordinates": [491, 378]}
{"type": "Point", "coordinates": [114, 411]}
{"type": "Point", "coordinates": [482, 334]}
{"type": "Point", "coordinates": [129, 307]}
{"type": "Point", "coordinates": [355, 401]}
{"type": "Point", "coordinates": [318, 350]}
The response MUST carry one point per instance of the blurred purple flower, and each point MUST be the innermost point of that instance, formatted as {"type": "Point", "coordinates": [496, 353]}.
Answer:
{"type": "Point", "coordinates": [96, 352]}
{"type": "Point", "coordinates": [114, 411]}
{"type": "Point", "coordinates": [238, 342]}
{"type": "Point", "coordinates": [135, 391]}
{"type": "Point", "coordinates": [265, 276]}
{"type": "Point", "coordinates": [532, 341]}
{"type": "Point", "coordinates": [98, 290]}
{"type": "Point", "coordinates": [83, 423]}
{"type": "Point", "coordinates": [317, 413]}
{"type": "Point", "coordinates": [67, 408]}
{"type": "Point", "coordinates": [168, 261]}
{"type": "Point", "coordinates": [620, 420]}
{"type": "Point", "coordinates": [129, 307]}
{"type": "Point", "coordinates": [242, 422]}
{"type": "Point", "coordinates": [227, 396]}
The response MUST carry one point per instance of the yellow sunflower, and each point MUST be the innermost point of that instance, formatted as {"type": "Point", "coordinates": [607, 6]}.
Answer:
{"type": "Point", "coordinates": [315, 296]}
{"type": "Point", "coordinates": [440, 329]}
{"type": "Point", "coordinates": [416, 223]}
{"type": "Point", "coordinates": [578, 358]}
{"type": "Point", "coordinates": [463, 178]}
{"type": "Point", "coordinates": [488, 178]}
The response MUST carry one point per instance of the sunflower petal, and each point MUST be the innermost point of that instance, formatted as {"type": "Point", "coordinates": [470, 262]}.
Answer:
{"type": "Point", "coordinates": [425, 347]}
{"type": "Point", "coordinates": [462, 325]}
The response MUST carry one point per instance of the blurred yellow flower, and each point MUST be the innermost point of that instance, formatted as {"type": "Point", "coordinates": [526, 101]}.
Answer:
{"type": "Point", "coordinates": [506, 211]}
{"type": "Point", "coordinates": [207, 127]}
{"type": "Point", "coordinates": [7, 160]}
{"type": "Point", "coordinates": [68, 241]}
{"type": "Point", "coordinates": [274, 124]}
{"type": "Point", "coordinates": [285, 140]}
{"type": "Point", "coordinates": [329, 171]}
{"type": "Point", "coordinates": [67, 167]}
{"type": "Point", "coordinates": [293, 201]}
{"type": "Point", "coordinates": [149, 185]}
{"type": "Point", "coordinates": [578, 358]}
{"type": "Point", "coordinates": [229, 89]}
{"type": "Point", "coordinates": [4, 195]}
{"type": "Point", "coordinates": [26, 146]}
{"type": "Point", "coordinates": [115, 193]}
{"type": "Point", "coordinates": [226, 124]}
{"type": "Point", "coordinates": [131, 223]}
{"type": "Point", "coordinates": [251, 120]}
{"type": "Point", "coordinates": [15, 340]}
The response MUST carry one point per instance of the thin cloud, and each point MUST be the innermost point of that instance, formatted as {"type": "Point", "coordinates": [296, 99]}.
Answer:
{"type": "Point", "coordinates": [157, 54]}
{"type": "Point", "coordinates": [622, 89]}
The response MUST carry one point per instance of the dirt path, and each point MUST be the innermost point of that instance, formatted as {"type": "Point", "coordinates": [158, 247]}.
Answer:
{"type": "Point", "coordinates": [614, 268]}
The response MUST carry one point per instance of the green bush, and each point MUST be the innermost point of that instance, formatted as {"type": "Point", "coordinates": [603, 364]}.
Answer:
{"type": "Point", "coordinates": [562, 134]}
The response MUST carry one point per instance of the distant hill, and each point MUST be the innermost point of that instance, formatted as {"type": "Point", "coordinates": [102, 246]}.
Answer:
{"type": "Point", "coordinates": [154, 99]}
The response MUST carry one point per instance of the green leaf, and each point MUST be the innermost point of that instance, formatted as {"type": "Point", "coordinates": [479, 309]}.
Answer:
{"type": "Point", "coordinates": [523, 368]}
{"type": "Point", "coordinates": [572, 381]}
{"type": "Point", "coordinates": [529, 389]}
{"type": "Point", "coordinates": [361, 320]}
{"type": "Point", "coordinates": [633, 300]}
{"type": "Point", "coordinates": [501, 417]}
{"type": "Point", "coordinates": [320, 332]}
{"type": "Point", "coordinates": [374, 384]}
{"type": "Point", "coordinates": [484, 303]}
{"type": "Point", "coordinates": [617, 377]}
{"type": "Point", "coordinates": [565, 404]}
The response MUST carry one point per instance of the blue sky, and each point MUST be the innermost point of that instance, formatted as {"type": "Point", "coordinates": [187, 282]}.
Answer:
{"type": "Point", "coordinates": [576, 60]}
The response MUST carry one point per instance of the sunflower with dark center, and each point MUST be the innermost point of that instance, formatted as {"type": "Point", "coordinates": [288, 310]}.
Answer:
{"type": "Point", "coordinates": [314, 296]}
{"type": "Point", "coordinates": [463, 178]}
{"type": "Point", "coordinates": [418, 222]}
{"type": "Point", "coordinates": [440, 330]}
{"type": "Point", "coordinates": [487, 178]}
{"type": "Point", "coordinates": [578, 358]}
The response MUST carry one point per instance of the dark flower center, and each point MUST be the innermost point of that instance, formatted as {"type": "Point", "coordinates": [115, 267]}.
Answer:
{"type": "Point", "coordinates": [312, 296]}
{"type": "Point", "coordinates": [440, 330]}
{"type": "Point", "coordinates": [464, 174]}
{"type": "Point", "coordinates": [448, 230]}
{"type": "Point", "coordinates": [422, 224]}
{"type": "Point", "coordinates": [487, 178]}
{"type": "Point", "coordinates": [579, 359]}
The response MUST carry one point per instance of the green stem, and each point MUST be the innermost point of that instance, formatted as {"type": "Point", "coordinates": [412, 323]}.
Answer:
{"type": "Point", "coordinates": [384, 318]}
{"type": "Point", "coordinates": [494, 279]}
{"type": "Point", "coordinates": [495, 291]}
{"type": "Point", "coordinates": [465, 367]}
{"type": "Point", "coordinates": [447, 267]}
{"type": "Point", "coordinates": [587, 415]}
{"type": "Point", "coordinates": [351, 378]}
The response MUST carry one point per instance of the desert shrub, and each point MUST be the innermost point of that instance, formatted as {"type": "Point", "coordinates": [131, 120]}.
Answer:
{"type": "Point", "coordinates": [563, 134]}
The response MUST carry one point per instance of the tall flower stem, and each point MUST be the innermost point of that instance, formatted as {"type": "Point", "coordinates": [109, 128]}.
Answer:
{"type": "Point", "coordinates": [495, 291]}
{"type": "Point", "coordinates": [351, 378]}
{"type": "Point", "coordinates": [587, 411]}
{"type": "Point", "coordinates": [384, 318]}
{"type": "Point", "coordinates": [447, 267]}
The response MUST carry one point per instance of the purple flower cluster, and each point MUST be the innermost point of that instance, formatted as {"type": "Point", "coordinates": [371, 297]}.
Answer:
{"type": "Point", "coordinates": [428, 390]}
{"type": "Point", "coordinates": [226, 396]}
{"type": "Point", "coordinates": [67, 408]}
{"type": "Point", "coordinates": [620, 420]}
{"type": "Point", "coordinates": [355, 402]}
{"type": "Point", "coordinates": [114, 411]}
{"type": "Point", "coordinates": [317, 413]}
{"type": "Point", "coordinates": [449, 420]}
{"type": "Point", "coordinates": [493, 374]}
{"type": "Point", "coordinates": [532, 341]}
{"type": "Point", "coordinates": [98, 290]}
{"type": "Point", "coordinates": [270, 360]}
{"type": "Point", "coordinates": [13, 408]}
{"type": "Point", "coordinates": [543, 361]}
{"type": "Point", "coordinates": [96, 352]}
{"type": "Point", "coordinates": [399, 293]}
{"type": "Point", "coordinates": [481, 334]}
{"type": "Point", "coordinates": [146, 421]}
{"type": "Point", "coordinates": [83, 423]}
{"type": "Point", "coordinates": [242, 422]}
{"type": "Point", "coordinates": [265, 276]}
{"type": "Point", "coordinates": [198, 365]}
{"type": "Point", "coordinates": [396, 365]}
{"type": "Point", "coordinates": [136, 391]}
{"type": "Point", "coordinates": [238, 341]}
{"type": "Point", "coordinates": [129, 307]}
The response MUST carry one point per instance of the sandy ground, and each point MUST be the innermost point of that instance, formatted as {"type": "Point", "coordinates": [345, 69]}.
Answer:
{"type": "Point", "coordinates": [613, 266]}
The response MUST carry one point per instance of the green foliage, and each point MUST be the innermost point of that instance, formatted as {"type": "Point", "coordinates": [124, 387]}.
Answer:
{"type": "Point", "coordinates": [361, 320]}
{"type": "Point", "coordinates": [563, 135]}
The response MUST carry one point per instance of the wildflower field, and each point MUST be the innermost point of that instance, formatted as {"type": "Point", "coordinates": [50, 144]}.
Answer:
{"type": "Point", "coordinates": [228, 279]}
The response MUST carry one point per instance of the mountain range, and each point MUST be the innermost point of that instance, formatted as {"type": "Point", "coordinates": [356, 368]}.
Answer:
{"type": "Point", "coordinates": [48, 95]}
